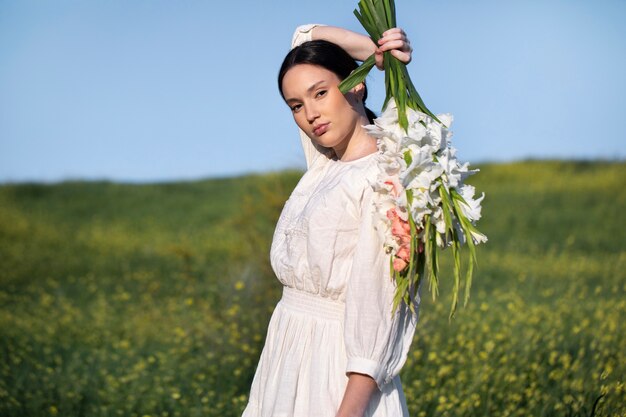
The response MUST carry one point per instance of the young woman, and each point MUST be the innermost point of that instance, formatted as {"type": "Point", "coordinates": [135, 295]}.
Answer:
{"type": "Point", "coordinates": [333, 346]}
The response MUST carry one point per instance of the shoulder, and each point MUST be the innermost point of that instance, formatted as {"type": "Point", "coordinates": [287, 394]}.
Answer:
{"type": "Point", "coordinates": [369, 167]}
{"type": "Point", "coordinates": [363, 174]}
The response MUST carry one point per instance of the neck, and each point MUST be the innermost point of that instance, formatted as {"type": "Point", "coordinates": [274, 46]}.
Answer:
{"type": "Point", "coordinates": [360, 144]}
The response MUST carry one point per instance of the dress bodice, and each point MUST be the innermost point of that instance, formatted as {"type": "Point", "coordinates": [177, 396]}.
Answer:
{"type": "Point", "coordinates": [318, 230]}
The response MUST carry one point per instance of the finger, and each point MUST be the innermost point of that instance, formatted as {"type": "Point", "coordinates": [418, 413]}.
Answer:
{"type": "Point", "coordinates": [404, 57]}
{"type": "Point", "coordinates": [397, 44]}
{"type": "Point", "coordinates": [378, 59]}
{"type": "Point", "coordinates": [393, 31]}
{"type": "Point", "coordinates": [392, 37]}
{"type": "Point", "coordinates": [391, 43]}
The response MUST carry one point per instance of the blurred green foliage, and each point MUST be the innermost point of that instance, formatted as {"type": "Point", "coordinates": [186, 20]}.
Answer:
{"type": "Point", "coordinates": [154, 299]}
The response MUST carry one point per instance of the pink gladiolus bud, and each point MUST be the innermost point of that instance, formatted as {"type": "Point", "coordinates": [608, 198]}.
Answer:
{"type": "Point", "coordinates": [400, 228]}
{"type": "Point", "coordinates": [396, 188]}
{"type": "Point", "coordinates": [396, 228]}
{"type": "Point", "coordinates": [405, 240]}
{"type": "Point", "coordinates": [399, 264]}
{"type": "Point", "coordinates": [404, 253]}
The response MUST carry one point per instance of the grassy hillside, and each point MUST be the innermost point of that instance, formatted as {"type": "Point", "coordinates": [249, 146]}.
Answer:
{"type": "Point", "coordinates": [153, 300]}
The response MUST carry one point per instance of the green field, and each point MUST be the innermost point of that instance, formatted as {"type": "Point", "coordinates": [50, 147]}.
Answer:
{"type": "Point", "coordinates": [153, 299]}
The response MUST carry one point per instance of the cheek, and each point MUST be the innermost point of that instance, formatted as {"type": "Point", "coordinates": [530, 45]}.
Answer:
{"type": "Point", "coordinates": [344, 106]}
{"type": "Point", "coordinates": [340, 101]}
{"type": "Point", "coordinates": [300, 120]}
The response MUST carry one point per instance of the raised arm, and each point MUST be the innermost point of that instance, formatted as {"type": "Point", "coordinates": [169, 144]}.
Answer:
{"type": "Point", "coordinates": [360, 47]}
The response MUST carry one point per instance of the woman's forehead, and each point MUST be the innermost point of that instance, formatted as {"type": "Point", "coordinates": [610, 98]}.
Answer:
{"type": "Point", "coordinates": [303, 76]}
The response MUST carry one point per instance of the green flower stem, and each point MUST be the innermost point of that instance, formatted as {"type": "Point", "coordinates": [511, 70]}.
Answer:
{"type": "Point", "coordinates": [377, 16]}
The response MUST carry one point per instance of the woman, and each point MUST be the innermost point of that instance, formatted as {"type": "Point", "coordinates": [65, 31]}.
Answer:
{"type": "Point", "coordinates": [333, 347]}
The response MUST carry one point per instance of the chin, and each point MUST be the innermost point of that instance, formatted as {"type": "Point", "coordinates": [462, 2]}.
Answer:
{"type": "Point", "coordinates": [325, 142]}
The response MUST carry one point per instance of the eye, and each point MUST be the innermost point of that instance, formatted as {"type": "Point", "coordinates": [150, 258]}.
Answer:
{"type": "Point", "coordinates": [321, 93]}
{"type": "Point", "coordinates": [296, 107]}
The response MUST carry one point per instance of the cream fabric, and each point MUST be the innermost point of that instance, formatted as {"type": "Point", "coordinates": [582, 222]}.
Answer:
{"type": "Point", "coordinates": [335, 313]}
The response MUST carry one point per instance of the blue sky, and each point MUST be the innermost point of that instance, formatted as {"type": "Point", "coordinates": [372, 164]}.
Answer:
{"type": "Point", "coordinates": [172, 90]}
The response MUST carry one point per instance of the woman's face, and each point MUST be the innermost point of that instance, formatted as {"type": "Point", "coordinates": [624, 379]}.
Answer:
{"type": "Point", "coordinates": [327, 116]}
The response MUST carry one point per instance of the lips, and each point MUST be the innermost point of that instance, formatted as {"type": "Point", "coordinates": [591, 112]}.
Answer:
{"type": "Point", "coordinates": [321, 129]}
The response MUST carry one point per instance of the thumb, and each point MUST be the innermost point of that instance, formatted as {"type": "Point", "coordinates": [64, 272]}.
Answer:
{"type": "Point", "coordinates": [379, 59]}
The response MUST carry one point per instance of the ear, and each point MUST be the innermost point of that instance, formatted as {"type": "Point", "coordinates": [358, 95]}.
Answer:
{"type": "Point", "coordinates": [359, 91]}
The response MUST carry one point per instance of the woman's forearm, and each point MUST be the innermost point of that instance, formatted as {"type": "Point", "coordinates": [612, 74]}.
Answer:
{"type": "Point", "coordinates": [357, 396]}
{"type": "Point", "coordinates": [360, 47]}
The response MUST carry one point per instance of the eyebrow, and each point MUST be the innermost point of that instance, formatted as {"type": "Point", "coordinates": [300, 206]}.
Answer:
{"type": "Point", "coordinates": [311, 88]}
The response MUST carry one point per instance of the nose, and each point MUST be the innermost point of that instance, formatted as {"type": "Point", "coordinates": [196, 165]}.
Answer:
{"type": "Point", "coordinates": [311, 112]}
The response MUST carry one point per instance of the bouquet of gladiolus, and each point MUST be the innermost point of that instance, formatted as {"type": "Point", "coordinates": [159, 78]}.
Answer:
{"type": "Point", "coordinates": [422, 204]}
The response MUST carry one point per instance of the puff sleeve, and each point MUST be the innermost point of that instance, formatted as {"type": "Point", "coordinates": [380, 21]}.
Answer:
{"type": "Point", "coordinates": [303, 34]}
{"type": "Point", "coordinates": [376, 342]}
{"type": "Point", "coordinates": [311, 150]}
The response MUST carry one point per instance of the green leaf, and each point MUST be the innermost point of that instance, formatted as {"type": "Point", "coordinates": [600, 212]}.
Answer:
{"type": "Point", "coordinates": [388, 14]}
{"type": "Point", "coordinates": [367, 25]}
{"type": "Point", "coordinates": [407, 157]}
{"type": "Point", "coordinates": [467, 227]}
{"type": "Point", "coordinates": [415, 95]}
{"type": "Point", "coordinates": [358, 75]}
{"type": "Point", "coordinates": [468, 281]}
{"type": "Point", "coordinates": [409, 198]}
{"type": "Point", "coordinates": [367, 13]}
{"type": "Point", "coordinates": [435, 258]}
{"type": "Point", "coordinates": [457, 274]}
{"type": "Point", "coordinates": [392, 7]}
{"type": "Point", "coordinates": [378, 16]}
{"type": "Point", "coordinates": [446, 207]}
{"type": "Point", "coordinates": [428, 247]}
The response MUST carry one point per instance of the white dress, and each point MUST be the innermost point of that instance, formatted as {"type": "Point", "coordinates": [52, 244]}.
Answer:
{"type": "Point", "coordinates": [335, 314]}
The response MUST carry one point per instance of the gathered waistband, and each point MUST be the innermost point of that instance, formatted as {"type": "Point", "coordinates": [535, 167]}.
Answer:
{"type": "Point", "coordinates": [315, 305]}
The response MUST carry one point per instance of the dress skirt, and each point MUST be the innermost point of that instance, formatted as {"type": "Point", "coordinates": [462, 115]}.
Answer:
{"type": "Point", "coordinates": [301, 371]}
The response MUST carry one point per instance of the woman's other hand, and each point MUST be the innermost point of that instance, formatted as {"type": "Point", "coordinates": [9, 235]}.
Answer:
{"type": "Point", "coordinates": [395, 41]}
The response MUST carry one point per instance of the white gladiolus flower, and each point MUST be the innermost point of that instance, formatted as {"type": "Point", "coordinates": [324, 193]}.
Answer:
{"type": "Point", "coordinates": [478, 237]}
{"type": "Point", "coordinates": [436, 135]}
{"type": "Point", "coordinates": [393, 165]}
{"type": "Point", "coordinates": [437, 220]}
{"type": "Point", "coordinates": [388, 122]}
{"type": "Point", "coordinates": [439, 240]}
{"type": "Point", "coordinates": [435, 197]}
{"type": "Point", "coordinates": [472, 209]}
{"type": "Point", "coordinates": [455, 173]}
{"type": "Point", "coordinates": [446, 119]}
{"type": "Point", "coordinates": [420, 207]}
{"type": "Point", "coordinates": [421, 161]}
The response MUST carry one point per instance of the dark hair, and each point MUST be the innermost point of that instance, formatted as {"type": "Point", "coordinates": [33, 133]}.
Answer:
{"type": "Point", "coordinates": [326, 55]}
